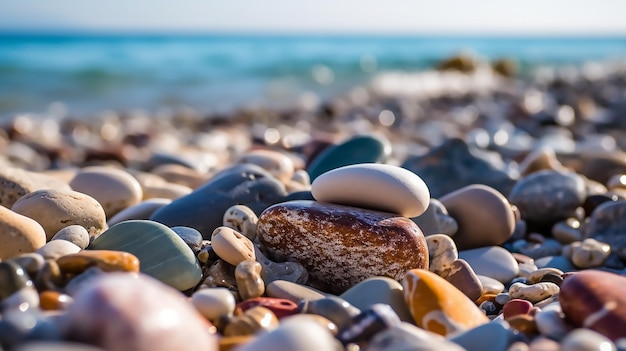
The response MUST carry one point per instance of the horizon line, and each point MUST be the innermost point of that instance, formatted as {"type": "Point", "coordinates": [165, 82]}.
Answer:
{"type": "Point", "coordinates": [80, 31]}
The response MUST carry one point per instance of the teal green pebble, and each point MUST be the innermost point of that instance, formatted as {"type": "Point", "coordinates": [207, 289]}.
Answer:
{"type": "Point", "coordinates": [161, 252]}
{"type": "Point", "coordinates": [359, 149]}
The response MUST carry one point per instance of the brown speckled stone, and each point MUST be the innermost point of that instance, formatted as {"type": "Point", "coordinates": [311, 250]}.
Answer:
{"type": "Point", "coordinates": [341, 245]}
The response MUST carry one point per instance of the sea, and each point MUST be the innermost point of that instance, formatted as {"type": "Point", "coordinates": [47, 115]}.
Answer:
{"type": "Point", "coordinates": [87, 74]}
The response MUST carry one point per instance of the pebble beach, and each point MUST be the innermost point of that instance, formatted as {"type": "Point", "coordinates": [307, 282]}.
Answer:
{"type": "Point", "coordinates": [465, 207]}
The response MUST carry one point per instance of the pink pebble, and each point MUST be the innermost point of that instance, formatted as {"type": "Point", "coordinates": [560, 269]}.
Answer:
{"type": "Point", "coordinates": [126, 312]}
{"type": "Point", "coordinates": [516, 307]}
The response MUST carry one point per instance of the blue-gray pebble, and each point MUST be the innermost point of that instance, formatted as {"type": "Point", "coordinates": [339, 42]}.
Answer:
{"type": "Point", "coordinates": [203, 209]}
{"type": "Point", "coordinates": [454, 165]}
{"type": "Point", "coordinates": [190, 236]}
{"type": "Point", "coordinates": [546, 197]}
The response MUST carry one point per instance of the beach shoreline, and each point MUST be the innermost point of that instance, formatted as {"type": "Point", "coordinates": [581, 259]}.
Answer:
{"type": "Point", "coordinates": [520, 186]}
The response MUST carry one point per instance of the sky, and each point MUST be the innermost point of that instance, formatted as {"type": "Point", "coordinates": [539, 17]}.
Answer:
{"type": "Point", "coordinates": [578, 17]}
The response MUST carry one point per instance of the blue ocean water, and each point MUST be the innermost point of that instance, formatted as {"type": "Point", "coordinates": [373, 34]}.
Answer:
{"type": "Point", "coordinates": [93, 72]}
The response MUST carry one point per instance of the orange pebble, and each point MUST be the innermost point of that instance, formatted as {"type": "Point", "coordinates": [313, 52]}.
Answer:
{"type": "Point", "coordinates": [439, 306]}
{"type": "Point", "coordinates": [51, 300]}
{"type": "Point", "coordinates": [486, 297]}
{"type": "Point", "coordinates": [107, 260]}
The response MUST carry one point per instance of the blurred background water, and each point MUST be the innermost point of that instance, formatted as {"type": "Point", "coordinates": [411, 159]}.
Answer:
{"type": "Point", "coordinates": [218, 73]}
{"type": "Point", "coordinates": [215, 57]}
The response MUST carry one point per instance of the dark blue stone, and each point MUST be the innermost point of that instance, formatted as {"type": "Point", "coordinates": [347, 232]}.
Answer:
{"type": "Point", "coordinates": [454, 165]}
{"type": "Point", "coordinates": [299, 195]}
{"type": "Point", "coordinates": [204, 208]}
{"type": "Point", "coordinates": [190, 236]}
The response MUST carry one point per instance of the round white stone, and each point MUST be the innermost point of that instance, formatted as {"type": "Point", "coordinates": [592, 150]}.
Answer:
{"type": "Point", "coordinates": [375, 186]}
